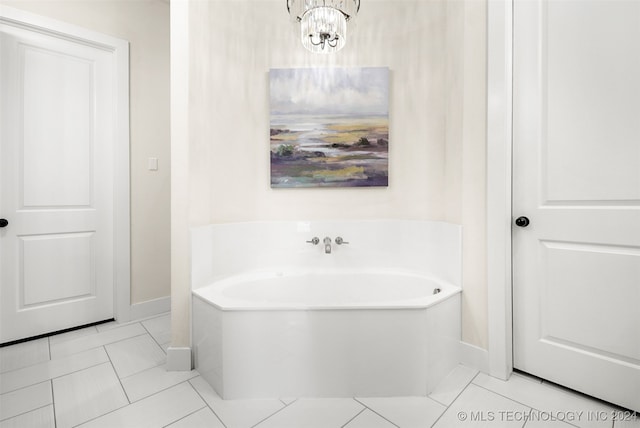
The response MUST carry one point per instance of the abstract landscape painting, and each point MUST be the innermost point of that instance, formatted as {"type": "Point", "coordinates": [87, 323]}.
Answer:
{"type": "Point", "coordinates": [329, 127]}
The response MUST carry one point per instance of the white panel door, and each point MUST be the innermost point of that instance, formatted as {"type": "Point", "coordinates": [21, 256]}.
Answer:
{"type": "Point", "coordinates": [576, 266]}
{"type": "Point", "coordinates": [57, 191]}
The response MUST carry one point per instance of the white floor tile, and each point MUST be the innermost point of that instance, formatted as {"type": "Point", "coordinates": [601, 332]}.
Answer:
{"type": "Point", "coordinates": [153, 380]}
{"type": "Point", "coordinates": [70, 335]}
{"type": "Point", "coordinates": [236, 413]}
{"type": "Point", "coordinates": [25, 400]}
{"type": "Point", "coordinates": [81, 374]}
{"type": "Point", "coordinates": [406, 412]}
{"type": "Point", "coordinates": [87, 394]}
{"type": "Point", "coordinates": [477, 407]}
{"type": "Point", "coordinates": [39, 418]}
{"type": "Point", "coordinates": [158, 410]}
{"type": "Point", "coordinates": [134, 355]}
{"type": "Point", "coordinates": [24, 354]}
{"type": "Point", "coordinates": [159, 328]}
{"type": "Point", "coordinates": [545, 398]}
{"type": "Point", "coordinates": [20, 378]}
{"type": "Point", "coordinates": [110, 325]}
{"type": "Point", "coordinates": [368, 419]}
{"type": "Point", "coordinates": [114, 324]}
{"type": "Point", "coordinates": [452, 385]}
{"type": "Point", "coordinates": [314, 413]}
{"type": "Point", "coordinates": [83, 343]}
{"type": "Point", "coordinates": [201, 419]}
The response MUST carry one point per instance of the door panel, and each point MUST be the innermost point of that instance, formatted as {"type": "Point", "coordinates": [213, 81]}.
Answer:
{"type": "Point", "coordinates": [57, 188]}
{"type": "Point", "coordinates": [57, 141]}
{"type": "Point", "coordinates": [40, 259]}
{"type": "Point", "coordinates": [590, 110]}
{"type": "Point", "coordinates": [584, 280]}
{"type": "Point", "coordinates": [576, 131]}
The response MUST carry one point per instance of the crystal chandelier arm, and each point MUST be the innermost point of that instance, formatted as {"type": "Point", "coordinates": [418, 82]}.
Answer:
{"type": "Point", "coordinates": [323, 23]}
{"type": "Point", "coordinates": [324, 39]}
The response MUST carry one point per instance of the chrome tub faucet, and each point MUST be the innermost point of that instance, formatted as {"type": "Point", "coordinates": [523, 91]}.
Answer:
{"type": "Point", "coordinates": [327, 245]}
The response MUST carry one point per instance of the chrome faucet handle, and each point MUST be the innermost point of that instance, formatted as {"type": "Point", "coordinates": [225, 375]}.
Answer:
{"type": "Point", "coordinates": [340, 241]}
{"type": "Point", "coordinates": [315, 240]}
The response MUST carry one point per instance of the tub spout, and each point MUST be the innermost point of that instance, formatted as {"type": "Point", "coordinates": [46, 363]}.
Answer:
{"type": "Point", "coordinates": [327, 245]}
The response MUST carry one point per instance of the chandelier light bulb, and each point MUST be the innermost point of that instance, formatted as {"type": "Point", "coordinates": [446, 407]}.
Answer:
{"type": "Point", "coordinates": [323, 30]}
{"type": "Point", "coordinates": [323, 23]}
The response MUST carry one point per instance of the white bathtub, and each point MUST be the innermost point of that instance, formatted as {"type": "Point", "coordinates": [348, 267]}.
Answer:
{"type": "Point", "coordinates": [336, 333]}
{"type": "Point", "coordinates": [371, 289]}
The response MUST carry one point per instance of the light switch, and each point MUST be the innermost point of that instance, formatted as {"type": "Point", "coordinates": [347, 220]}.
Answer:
{"type": "Point", "coordinates": [152, 164]}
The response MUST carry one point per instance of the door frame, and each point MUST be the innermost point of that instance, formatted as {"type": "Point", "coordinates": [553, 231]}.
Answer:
{"type": "Point", "coordinates": [121, 209]}
{"type": "Point", "coordinates": [499, 185]}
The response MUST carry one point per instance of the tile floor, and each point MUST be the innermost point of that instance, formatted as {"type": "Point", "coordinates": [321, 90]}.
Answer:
{"type": "Point", "coordinates": [114, 376]}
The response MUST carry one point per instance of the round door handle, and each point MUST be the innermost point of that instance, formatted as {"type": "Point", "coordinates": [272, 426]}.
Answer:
{"type": "Point", "coordinates": [4, 222]}
{"type": "Point", "coordinates": [522, 221]}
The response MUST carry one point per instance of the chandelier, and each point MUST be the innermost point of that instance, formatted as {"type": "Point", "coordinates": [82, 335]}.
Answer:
{"type": "Point", "coordinates": [323, 23]}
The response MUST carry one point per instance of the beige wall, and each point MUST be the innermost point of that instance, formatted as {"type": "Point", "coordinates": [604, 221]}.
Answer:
{"type": "Point", "coordinates": [145, 24]}
{"type": "Point", "coordinates": [231, 104]}
{"type": "Point", "coordinates": [435, 51]}
{"type": "Point", "coordinates": [466, 156]}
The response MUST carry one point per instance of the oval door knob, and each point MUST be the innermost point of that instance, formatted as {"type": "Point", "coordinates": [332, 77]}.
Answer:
{"type": "Point", "coordinates": [522, 222]}
{"type": "Point", "coordinates": [3, 222]}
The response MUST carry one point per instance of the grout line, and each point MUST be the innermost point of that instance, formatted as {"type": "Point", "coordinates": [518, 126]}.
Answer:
{"type": "Point", "coordinates": [458, 395]}
{"type": "Point", "coordinates": [206, 402]}
{"type": "Point", "coordinates": [367, 407]}
{"type": "Point", "coordinates": [28, 411]}
{"type": "Point", "coordinates": [117, 376]}
{"type": "Point", "coordinates": [111, 411]}
{"type": "Point", "coordinates": [75, 371]}
{"type": "Point", "coordinates": [128, 405]}
{"type": "Point", "coordinates": [154, 339]}
{"type": "Point", "coordinates": [285, 404]}
{"type": "Point", "coordinates": [439, 402]}
{"type": "Point", "coordinates": [164, 363]}
{"type": "Point", "coordinates": [164, 389]}
{"type": "Point", "coordinates": [97, 346]}
{"type": "Point", "coordinates": [296, 399]}
{"type": "Point", "coordinates": [53, 404]}
{"type": "Point", "coordinates": [29, 365]}
{"type": "Point", "coordinates": [145, 370]}
{"type": "Point", "coordinates": [455, 399]}
{"type": "Point", "coordinates": [531, 408]}
{"type": "Point", "coordinates": [124, 324]}
{"type": "Point", "coordinates": [185, 416]}
{"type": "Point", "coordinates": [55, 377]}
{"type": "Point", "coordinates": [356, 415]}
{"type": "Point", "coordinates": [99, 416]}
{"type": "Point", "coordinates": [273, 414]}
{"type": "Point", "coordinates": [26, 386]}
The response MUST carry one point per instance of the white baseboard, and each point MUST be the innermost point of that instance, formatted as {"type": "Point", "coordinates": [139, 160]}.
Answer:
{"type": "Point", "coordinates": [178, 359]}
{"type": "Point", "coordinates": [150, 308]}
{"type": "Point", "coordinates": [474, 357]}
